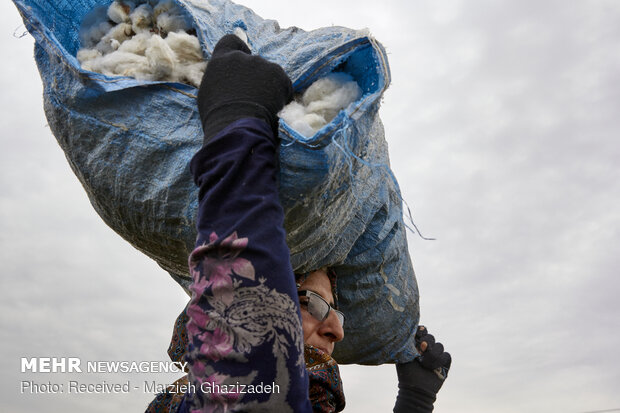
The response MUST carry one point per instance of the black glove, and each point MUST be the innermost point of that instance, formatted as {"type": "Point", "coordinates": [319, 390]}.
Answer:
{"type": "Point", "coordinates": [238, 85]}
{"type": "Point", "coordinates": [420, 380]}
{"type": "Point", "coordinates": [433, 358]}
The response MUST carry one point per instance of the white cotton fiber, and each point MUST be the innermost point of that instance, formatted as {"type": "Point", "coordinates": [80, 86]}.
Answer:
{"type": "Point", "coordinates": [112, 39]}
{"type": "Point", "coordinates": [329, 95]}
{"type": "Point", "coordinates": [320, 103]}
{"type": "Point", "coordinates": [87, 54]}
{"type": "Point", "coordinates": [137, 44]}
{"type": "Point", "coordinates": [191, 73]}
{"type": "Point", "coordinates": [119, 11]}
{"type": "Point", "coordinates": [142, 18]}
{"type": "Point", "coordinates": [162, 7]}
{"type": "Point", "coordinates": [150, 42]}
{"type": "Point", "coordinates": [127, 64]}
{"type": "Point", "coordinates": [168, 22]}
{"type": "Point", "coordinates": [162, 59]}
{"type": "Point", "coordinates": [185, 46]}
{"type": "Point", "coordinates": [120, 64]}
{"type": "Point", "coordinates": [295, 115]}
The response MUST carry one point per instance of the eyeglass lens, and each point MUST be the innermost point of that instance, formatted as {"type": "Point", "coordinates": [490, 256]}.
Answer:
{"type": "Point", "coordinates": [319, 308]}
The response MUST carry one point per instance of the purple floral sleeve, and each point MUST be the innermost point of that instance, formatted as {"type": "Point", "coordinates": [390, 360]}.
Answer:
{"type": "Point", "coordinates": [245, 349]}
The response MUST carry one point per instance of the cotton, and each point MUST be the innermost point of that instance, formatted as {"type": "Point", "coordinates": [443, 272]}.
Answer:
{"type": "Point", "coordinates": [147, 41]}
{"type": "Point", "coordinates": [185, 46]}
{"type": "Point", "coordinates": [169, 22]}
{"type": "Point", "coordinates": [112, 39]}
{"type": "Point", "coordinates": [163, 7]}
{"type": "Point", "coordinates": [161, 58]}
{"type": "Point", "coordinates": [137, 44]}
{"type": "Point", "coordinates": [321, 103]}
{"type": "Point", "coordinates": [119, 11]}
{"type": "Point", "coordinates": [150, 41]}
{"type": "Point", "coordinates": [141, 18]}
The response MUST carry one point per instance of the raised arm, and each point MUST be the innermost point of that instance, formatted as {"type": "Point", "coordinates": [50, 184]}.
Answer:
{"type": "Point", "coordinates": [244, 324]}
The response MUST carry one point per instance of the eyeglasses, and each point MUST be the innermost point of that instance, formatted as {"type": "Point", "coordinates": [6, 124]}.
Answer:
{"type": "Point", "coordinates": [318, 307]}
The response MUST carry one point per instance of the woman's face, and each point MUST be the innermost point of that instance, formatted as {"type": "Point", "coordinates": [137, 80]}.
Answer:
{"type": "Point", "coordinates": [321, 334]}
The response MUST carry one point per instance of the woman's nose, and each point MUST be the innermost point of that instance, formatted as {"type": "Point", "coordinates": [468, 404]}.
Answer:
{"type": "Point", "coordinates": [331, 328]}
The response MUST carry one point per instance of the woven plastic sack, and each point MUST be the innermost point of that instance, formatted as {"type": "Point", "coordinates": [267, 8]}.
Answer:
{"type": "Point", "coordinates": [129, 143]}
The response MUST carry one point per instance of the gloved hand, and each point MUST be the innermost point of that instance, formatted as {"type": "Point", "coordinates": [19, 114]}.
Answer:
{"type": "Point", "coordinates": [420, 380]}
{"type": "Point", "coordinates": [432, 357]}
{"type": "Point", "coordinates": [238, 85]}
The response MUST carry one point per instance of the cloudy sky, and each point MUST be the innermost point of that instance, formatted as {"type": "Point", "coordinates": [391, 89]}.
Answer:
{"type": "Point", "coordinates": [501, 125]}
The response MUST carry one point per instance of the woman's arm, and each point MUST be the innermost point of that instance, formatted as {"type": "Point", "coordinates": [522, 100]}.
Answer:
{"type": "Point", "coordinates": [244, 326]}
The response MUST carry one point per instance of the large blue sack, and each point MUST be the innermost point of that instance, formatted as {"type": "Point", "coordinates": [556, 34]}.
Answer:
{"type": "Point", "coordinates": [129, 143]}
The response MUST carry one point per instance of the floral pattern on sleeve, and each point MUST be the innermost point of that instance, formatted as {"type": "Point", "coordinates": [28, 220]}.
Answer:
{"type": "Point", "coordinates": [233, 316]}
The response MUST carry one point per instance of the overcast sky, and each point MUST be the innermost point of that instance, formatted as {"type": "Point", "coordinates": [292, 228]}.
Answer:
{"type": "Point", "coordinates": [503, 126]}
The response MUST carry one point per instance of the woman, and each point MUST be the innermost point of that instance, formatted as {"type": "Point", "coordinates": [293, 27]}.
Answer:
{"type": "Point", "coordinates": [322, 327]}
{"type": "Point", "coordinates": [244, 321]}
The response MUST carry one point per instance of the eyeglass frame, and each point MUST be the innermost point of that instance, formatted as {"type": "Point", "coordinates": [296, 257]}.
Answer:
{"type": "Point", "coordinates": [310, 295]}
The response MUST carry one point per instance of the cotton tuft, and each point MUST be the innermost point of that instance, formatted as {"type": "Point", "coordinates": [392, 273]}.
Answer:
{"type": "Point", "coordinates": [150, 41]}
{"type": "Point", "coordinates": [147, 41]}
{"type": "Point", "coordinates": [141, 18]}
{"type": "Point", "coordinates": [320, 103]}
{"type": "Point", "coordinates": [119, 11]}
